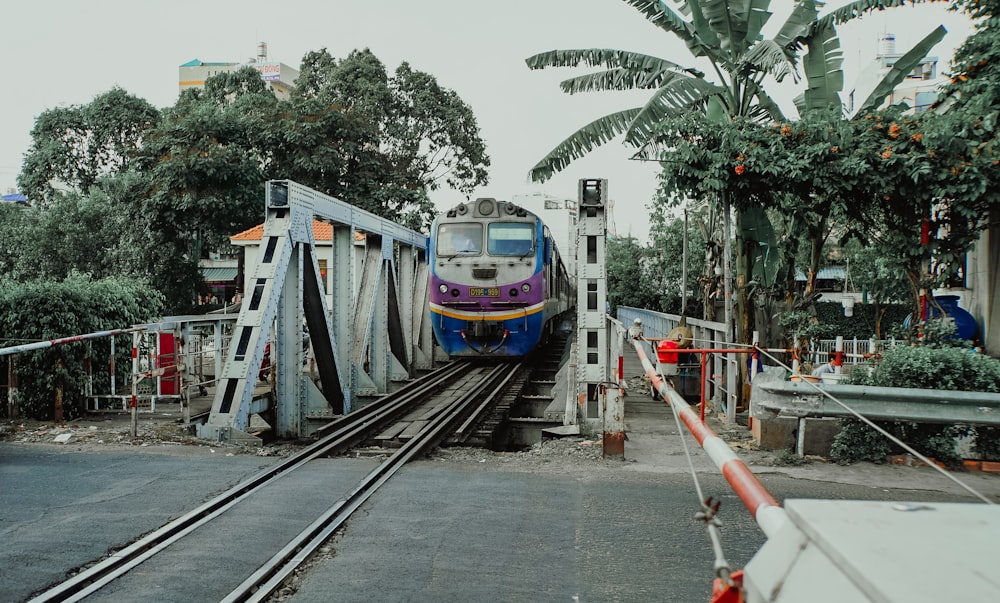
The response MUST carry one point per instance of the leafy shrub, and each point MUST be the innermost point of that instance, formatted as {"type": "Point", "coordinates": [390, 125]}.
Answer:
{"type": "Point", "coordinates": [857, 441]}
{"type": "Point", "coordinates": [939, 366]}
{"type": "Point", "coordinates": [930, 367]}
{"type": "Point", "coordinates": [39, 311]}
{"type": "Point", "coordinates": [988, 442]}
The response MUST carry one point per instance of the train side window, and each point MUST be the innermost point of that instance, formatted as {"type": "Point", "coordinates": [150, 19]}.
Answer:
{"type": "Point", "coordinates": [510, 239]}
{"type": "Point", "coordinates": [459, 239]}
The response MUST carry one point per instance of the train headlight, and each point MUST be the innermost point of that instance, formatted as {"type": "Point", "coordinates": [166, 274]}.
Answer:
{"type": "Point", "coordinates": [526, 287]}
{"type": "Point", "coordinates": [454, 292]}
{"type": "Point", "coordinates": [513, 292]}
{"type": "Point", "coordinates": [443, 288]}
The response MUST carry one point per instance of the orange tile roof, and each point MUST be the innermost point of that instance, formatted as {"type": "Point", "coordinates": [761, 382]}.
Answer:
{"type": "Point", "coordinates": [321, 232]}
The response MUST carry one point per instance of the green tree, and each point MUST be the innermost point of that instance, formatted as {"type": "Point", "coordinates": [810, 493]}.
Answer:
{"type": "Point", "coordinates": [202, 171]}
{"type": "Point", "coordinates": [96, 234]}
{"type": "Point", "coordinates": [726, 34]}
{"type": "Point", "coordinates": [74, 147]}
{"type": "Point", "coordinates": [628, 284]}
{"type": "Point", "coordinates": [418, 136]}
{"type": "Point", "coordinates": [664, 269]}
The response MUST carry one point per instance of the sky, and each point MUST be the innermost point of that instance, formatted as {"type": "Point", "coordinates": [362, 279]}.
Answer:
{"type": "Point", "coordinates": [66, 52]}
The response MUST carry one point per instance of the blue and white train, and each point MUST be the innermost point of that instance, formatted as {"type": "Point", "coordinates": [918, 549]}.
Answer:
{"type": "Point", "coordinates": [496, 280]}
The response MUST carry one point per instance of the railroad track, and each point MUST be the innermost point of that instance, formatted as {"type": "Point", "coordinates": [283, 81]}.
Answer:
{"type": "Point", "coordinates": [469, 399]}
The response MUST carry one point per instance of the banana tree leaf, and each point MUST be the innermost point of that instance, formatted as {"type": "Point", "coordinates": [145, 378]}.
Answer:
{"type": "Point", "coordinates": [707, 34]}
{"type": "Point", "coordinates": [769, 57]}
{"type": "Point", "coordinates": [582, 142]}
{"type": "Point", "coordinates": [859, 8]}
{"type": "Point", "coordinates": [797, 26]}
{"type": "Point", "coordinates": [600, 57]}
{"type": "Point", "coordinates": [621, 79]}
{"type": "Point", "coordinates": [766, 108]}
{"type": "Point", "coordinates": [756, 16]}
{"type": "Point", "coordinates": [729, 19]}
{"type": "Point", "coordinates": [717, 110]}
{"type": "Point", "coordinates": [674, 98]}
{"type": "Point", "coordinates": [823, 73]}
{"type": "Point", "coordinates": [904, 65]}
{"type": "Point", "coordinates": [765, 261]}
{"type": "Point", "coordinates": [662, 16]}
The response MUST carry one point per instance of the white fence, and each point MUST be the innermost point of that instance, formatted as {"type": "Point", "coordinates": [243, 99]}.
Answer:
{"type": "Point", "coordinates": [856, 351]}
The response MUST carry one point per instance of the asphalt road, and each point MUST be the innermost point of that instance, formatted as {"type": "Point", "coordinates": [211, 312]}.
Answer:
{"type": "Point", "coordinates": [439, 531]}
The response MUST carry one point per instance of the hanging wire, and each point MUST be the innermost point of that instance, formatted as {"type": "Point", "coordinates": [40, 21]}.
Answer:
{"type": "Point", "coordinates": [709, 509]}
{"type": "Point", "coordinates": [882, 431]}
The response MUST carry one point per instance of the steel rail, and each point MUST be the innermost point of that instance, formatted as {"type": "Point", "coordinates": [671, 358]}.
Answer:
{"type": "Point", "coordinates": [345, 432]}
{"type": "Point", "coordinates": [271, 575]}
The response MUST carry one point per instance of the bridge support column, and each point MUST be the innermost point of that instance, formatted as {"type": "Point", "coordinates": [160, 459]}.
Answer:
{"type": "Point", "coordinates": [591, 305]}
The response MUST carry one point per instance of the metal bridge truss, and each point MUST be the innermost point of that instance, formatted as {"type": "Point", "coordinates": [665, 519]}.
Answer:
{"type": "Point", "coordinates": [366, 329]}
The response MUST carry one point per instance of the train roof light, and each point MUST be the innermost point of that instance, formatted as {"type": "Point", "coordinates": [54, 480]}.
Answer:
{"type": "Point", "coordinates": [486, 207]}
{"type": "Point", "coordinates": [462, 209]}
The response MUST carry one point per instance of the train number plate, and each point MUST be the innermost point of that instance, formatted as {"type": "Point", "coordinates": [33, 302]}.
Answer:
{"type": "Point", "coordinates": [484, 291]}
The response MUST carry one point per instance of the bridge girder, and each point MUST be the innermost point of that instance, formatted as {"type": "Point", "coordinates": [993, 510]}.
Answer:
{"type": "Point", "coordinates": [366, 324]}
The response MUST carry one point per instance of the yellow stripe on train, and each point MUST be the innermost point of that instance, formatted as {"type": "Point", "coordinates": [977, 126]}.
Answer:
{"type": "Point", "coordinates": [488, 314]}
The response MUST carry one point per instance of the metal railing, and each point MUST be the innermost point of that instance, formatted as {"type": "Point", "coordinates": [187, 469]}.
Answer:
{"type": "Point", "coordinates": [721, 381]}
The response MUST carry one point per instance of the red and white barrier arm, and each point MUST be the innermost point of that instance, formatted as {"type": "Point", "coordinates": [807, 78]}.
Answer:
{"type": "Point", "coordinates": [38, 345]}
{"type": "Point", "coordinates": [762, 506]}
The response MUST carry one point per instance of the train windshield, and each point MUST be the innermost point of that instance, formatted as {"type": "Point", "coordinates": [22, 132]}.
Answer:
{"type": "Point", "coordinates": [459, 239]}
{"type": "Point", "coordinates": [511, 239]}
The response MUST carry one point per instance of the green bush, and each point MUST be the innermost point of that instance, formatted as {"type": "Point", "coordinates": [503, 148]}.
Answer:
{"type": "Point", "coordinates": [928, 367]}
{"type": "Point", "coordinates": [39, 311]}
{"type": "Point", "coordinates": [941, 366]}
{"type": "Point", "coordinates": [857, 441]}
{"type": "Point", "coordinates": [988, 443]}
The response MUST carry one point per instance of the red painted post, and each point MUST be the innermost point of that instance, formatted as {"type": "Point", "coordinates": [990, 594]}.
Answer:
{"type": "Point", "coordinates": [58, 413]}
{"type": "Point", "coordinates": [704, 376]}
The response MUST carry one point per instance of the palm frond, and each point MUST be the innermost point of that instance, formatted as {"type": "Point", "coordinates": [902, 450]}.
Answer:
{"type": "Point", "coordinates": [859, 8]}
{"type": "Point", "coordinates": [674, 98]}
{"type": "Point", "coordinates": [769, 57]}
{"type": "Point", "coordinates": [662, 16]}
{"type": "Point", "coordinates": [582, 142]}
{"type": "Point", "coordinates": [823, 72]}
{"type": "Point", "coordinates": [904, 65]}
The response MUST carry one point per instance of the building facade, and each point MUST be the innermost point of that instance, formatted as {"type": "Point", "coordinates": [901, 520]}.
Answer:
{"type": "Point", "coordinates": [278, 76]}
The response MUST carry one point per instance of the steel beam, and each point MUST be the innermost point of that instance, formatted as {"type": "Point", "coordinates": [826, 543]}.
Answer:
{"type": "Point", "coordinates": [363, 328]}
{"type": "Point", "coordinates": [773, 396]}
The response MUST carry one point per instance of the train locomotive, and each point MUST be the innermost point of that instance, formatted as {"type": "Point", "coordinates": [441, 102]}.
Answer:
{"type": "Point", "coordinates": [497, 281]}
